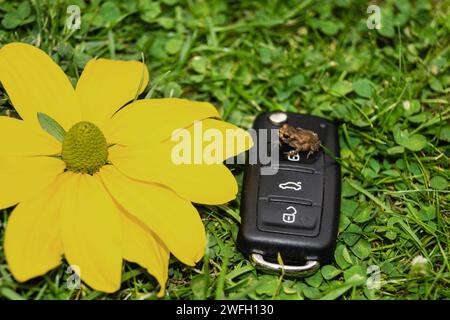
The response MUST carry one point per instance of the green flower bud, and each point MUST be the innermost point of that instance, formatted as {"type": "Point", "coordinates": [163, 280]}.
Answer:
{"type": "Point", "coordinates": [84, 148]}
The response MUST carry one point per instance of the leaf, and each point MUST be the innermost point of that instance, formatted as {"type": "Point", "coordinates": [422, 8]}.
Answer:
{"type": "Point", "coordinates": [445, 134]}
{"type": "Point", "coordinates": [150, 10]}
{"type": "Point", "coordinates": [199, 64]}
{"type": "Point", "coordinates": [199, 285]}
{"type": "Point", "coordinates": [396, 150]}
{"type": "Point", "coordinates": [415, 142]}
{"type": "Point", "coordinates": [289, 295]}
{"type": "Point", "coordinates": [348, 190]}
{"type": "Point", "coordinates": [172, 90]}
{"type": "Point", "coordinates": [299, 287]}
{"type": "Point", "coordinates": [348, 207]}
{"type": "Point", "coordinates": [343, 3]}
{"type": "Point", "coordinates": [427, 213]}
{"type": "Point", "coordinates": [392, 173]}
{"type": "Point", "coordinates": [403, 5]}
{"type": "Point", "coordinates": [174, 45]}
{"type": "Point", "coordinates": [329, 272]}
{"type": "Point", "coordinates": [11, 20]}
{"type": "Point", "coordinates": [349, 274]}
{"type": "Point", "coordinates": [284, 91]}
{"type": "Point", "coordinates": [439, 183]}
{"type": "Point", "coordinates": [157, 49]}
{"type": "Point", "coordinates": [362, 249]}
{"type": "Point", "coordinates": [51, 126]}
{"type": "Point", "coordinates": [296, 81]}
{"type": "Point", "coordinates": [342, 257]}
{"type": "Point", "coordinates": [436, 85]}
{"type": "Point", "coordinates": [419, 118]}
{"type": "Point", "coordinates": [227, 252]}
{"type": "Point", "coordinates": [24, 10]}
{"type": "Point", "coordinates": [170, 2]}
{"type": "Point", "coordinates": [400, 136]}
{"type": "Point", "coordinates": [108, 14]}
{"type": "Point", "coordinates": [363, 88]}
{"type": "Point", "coordinates": [265, 55]}
{"type": "Point", "coordinates": [328, 27]}
{"type": "Point", "coordinates": [166, 23]}
{"type": "Point", "coordinates": [410, 107]}
{"type": "Point", "coordinates": [344, 222]}
{"type": "Point", "coordinates": [341, 88]}
{"type": "Point", "coordinates": [288, 289]}
{"type": "Point", "coordinates": [312, 293]}
{"type": "Point", "coordinates": [354, 277]}
{"type": "Point", "coordinates": [268, 285]}
{"type": "Point", "coordinates": [11, 294]}
{"type": "Point", "coordinates": [368, 173]}
{"type": "Point", "coordinates": [391, 235]}
{"type": "Point", "coordinates": [374, 164]}
{"type": "Point", "coordinates": [363, 214]}
{"type": "Point", "coordinates": [387, 25]}
{"type": "Point", "coordinates": [352, 234]}
{"type": "Point", "coordinates": [315, 280]}
{"type": "Point", "coordinates": [414, 169]}
{"type": "Point", "coordinates": [81, 59]}
{"type": "Point", "coordinates": [336, 292]}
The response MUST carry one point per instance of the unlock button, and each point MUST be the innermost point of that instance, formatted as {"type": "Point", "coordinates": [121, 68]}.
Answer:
{"type": "Point", "coordinates": [288, 218]}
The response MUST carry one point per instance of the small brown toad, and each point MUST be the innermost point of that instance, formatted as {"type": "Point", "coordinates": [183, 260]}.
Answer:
{"type": "Point", "coordinates": [300, 139]}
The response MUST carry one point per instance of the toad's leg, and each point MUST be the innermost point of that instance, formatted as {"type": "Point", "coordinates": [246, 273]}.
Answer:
{"type": "Point", "coordinates": [309, 153]}
{"type": "Point", "coordinates": [293, 152]}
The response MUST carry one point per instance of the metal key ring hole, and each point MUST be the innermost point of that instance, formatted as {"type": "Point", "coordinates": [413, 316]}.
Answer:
{"type": "Point", "coordinates": [307, 269]}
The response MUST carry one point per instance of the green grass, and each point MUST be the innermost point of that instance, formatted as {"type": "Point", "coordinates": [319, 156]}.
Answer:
{"type": "Point", "coordinates": [388, 88]}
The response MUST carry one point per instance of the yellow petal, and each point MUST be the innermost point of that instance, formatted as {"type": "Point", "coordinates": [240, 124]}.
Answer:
{"type": "Point", "coordinates": [174, 220]}
{"type": "Point", "coordinates": [92, 232]}
{"type": "Point", "coordinates": [141, 246]}
{"type": "Point", "coordinates": [35, 84]}
{"type": "Point", "coordinates": [32, 238]}
{"type": "Point", "coordinates": [107, 85]}
{"type": "Point", "coordinates": [21, 178]}
{"type": "Point", "coordinates": [199, 183]}
{"type": "Point", "coordinates": [202, 178]}
{"type": "Point", "coordinates": [207, 184]}
{"type": "Point", "coordinates": [21, 138]}
{"type": "Point", "coordinates": [155, 119]}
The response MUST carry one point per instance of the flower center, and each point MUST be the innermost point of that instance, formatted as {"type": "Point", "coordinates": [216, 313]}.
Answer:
{"type": "Point", "coordinates": [84, 148]}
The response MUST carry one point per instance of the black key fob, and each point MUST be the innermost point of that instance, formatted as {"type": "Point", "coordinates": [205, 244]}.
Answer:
{"type": "Point", "coordinates": [290, 204]}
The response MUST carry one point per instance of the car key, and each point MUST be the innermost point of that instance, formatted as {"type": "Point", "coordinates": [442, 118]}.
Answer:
{"type": "Point", "coordinates": [293, 213]}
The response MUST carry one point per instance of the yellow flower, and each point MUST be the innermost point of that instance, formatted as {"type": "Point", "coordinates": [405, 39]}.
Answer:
{"type": "Point", "coordinates": [109, 192]}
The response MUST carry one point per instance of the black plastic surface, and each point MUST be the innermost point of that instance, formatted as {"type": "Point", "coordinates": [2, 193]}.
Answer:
{"type": "Point", "coordinates": [307, 189]}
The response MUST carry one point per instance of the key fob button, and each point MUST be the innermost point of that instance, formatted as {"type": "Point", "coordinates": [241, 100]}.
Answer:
{"type": "Point", "coordinates": [292, 185]}
{"type": "Point", "coordinates": [301, 158]}
{"type": "Point", "coordinates": [314, 161]}
{"type": "Point", "coordinates": [288, 218]}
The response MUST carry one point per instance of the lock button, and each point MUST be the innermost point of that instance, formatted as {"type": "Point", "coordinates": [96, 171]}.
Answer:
{"type": "Point", "coordinates": [289, 218]}
{"type": "Point", "coordinates": [293, 186]}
